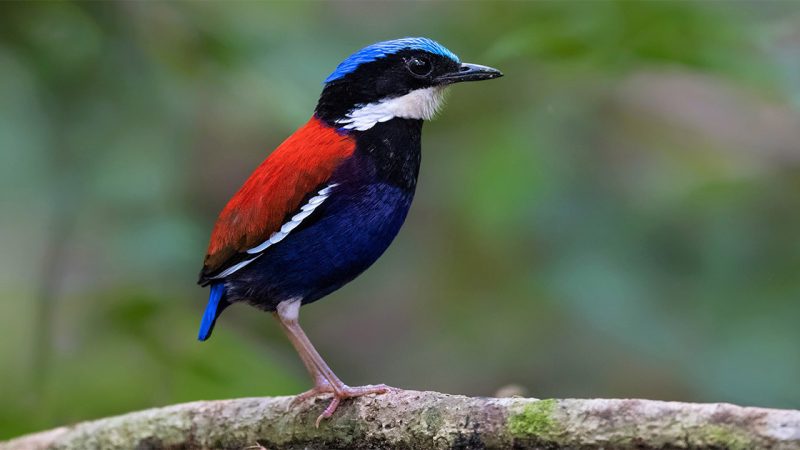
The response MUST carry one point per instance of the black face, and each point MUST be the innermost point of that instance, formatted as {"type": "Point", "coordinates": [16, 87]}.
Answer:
{"type": "Point", "coordinates": [393, 76]}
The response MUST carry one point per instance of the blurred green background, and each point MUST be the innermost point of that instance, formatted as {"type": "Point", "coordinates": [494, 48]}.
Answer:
{"type": "Point", "coordinates": [616, 217]}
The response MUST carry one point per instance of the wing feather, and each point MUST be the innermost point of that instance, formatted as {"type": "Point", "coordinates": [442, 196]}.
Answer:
{"type": "Point", "coordinates": [275, 191]}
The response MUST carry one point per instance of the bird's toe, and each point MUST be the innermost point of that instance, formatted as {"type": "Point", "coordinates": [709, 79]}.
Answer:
{"type": "Point", "coordinates": [314, 392]}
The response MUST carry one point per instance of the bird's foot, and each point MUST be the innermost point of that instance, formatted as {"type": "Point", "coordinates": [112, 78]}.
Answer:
{"type": "Point", "coordinates": [344, 392]}
{"type": "Point", "coordinates": [317, 390]}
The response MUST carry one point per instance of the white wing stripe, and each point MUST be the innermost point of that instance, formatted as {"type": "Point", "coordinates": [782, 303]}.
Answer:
{"type": "Point", "coordinates": [305, 211]}
{"type": "Point", "coordinates": [235, 267]}
{"type": "Point", "coordinates": [278, 236]}
{"type": "Point", "coordinates": [289, 226]}
{"type": "Point", "coordinates": [327, 190]}
{"type": "Point", "coordinates": [275, 238]}
{"type": "Point", "coordinates": [300, 216]}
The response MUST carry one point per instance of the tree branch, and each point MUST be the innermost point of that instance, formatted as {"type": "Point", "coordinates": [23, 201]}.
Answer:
{"type": "Point", "coordinates": [430, 420]}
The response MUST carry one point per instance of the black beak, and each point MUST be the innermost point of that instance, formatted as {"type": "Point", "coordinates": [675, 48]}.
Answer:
{"type": "Point", "coordinates": [469, 72]}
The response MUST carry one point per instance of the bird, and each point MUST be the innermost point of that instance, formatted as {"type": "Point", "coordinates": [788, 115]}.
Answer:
{"type": "Point", "coordinates": [328, 201]}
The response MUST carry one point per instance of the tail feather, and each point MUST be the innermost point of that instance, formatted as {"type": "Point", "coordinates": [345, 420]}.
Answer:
{"type": "Point", "coordinates": [216, 304]}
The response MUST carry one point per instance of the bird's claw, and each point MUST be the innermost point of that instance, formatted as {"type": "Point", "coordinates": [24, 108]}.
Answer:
{"type": "Point", "coordinates": [345, 392]}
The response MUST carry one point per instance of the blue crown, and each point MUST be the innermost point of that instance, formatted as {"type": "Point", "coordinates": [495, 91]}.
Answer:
{"type": "Point", "coordinates": [381, 49]}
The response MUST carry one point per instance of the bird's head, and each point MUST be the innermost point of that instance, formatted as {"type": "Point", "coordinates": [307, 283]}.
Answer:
{"type": "Point", "coordinates": [402, 78]}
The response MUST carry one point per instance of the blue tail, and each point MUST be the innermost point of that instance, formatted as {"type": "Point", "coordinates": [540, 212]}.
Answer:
{"type": "Point", "coordinates": [215, 307]}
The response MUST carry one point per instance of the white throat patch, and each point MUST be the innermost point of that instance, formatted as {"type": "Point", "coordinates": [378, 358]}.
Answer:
{"type": "Point", "coordinates": [419, 104]}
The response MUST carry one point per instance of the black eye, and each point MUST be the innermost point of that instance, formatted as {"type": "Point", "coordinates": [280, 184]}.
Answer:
{"type": "Point", "coordinates": [419, 66]}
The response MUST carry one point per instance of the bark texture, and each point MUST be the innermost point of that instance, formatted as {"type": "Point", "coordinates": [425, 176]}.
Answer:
{"type": "Point", "coordinates": [430, 420]}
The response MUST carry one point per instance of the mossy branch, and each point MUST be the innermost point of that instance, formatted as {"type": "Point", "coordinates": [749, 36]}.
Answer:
{"type": "Point", "coordinates": [430, 420]}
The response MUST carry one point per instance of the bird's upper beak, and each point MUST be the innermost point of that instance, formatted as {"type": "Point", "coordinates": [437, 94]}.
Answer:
{"type": "Point", "coordinates": [469, 72]}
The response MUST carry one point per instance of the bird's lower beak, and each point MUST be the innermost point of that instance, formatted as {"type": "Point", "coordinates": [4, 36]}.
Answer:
{"type": "Point", "coordinates": [469, 72]}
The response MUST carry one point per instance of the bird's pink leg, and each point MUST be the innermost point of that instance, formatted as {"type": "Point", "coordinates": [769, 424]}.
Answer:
{"type": "Point", "coordinates": [321, 385]}
{"type": "Point", "coordinates": [325, 381]}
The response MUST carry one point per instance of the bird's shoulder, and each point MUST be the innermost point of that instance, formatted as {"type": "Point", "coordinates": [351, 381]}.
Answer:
{"type": "Point", "coordinates": [293, 173]}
